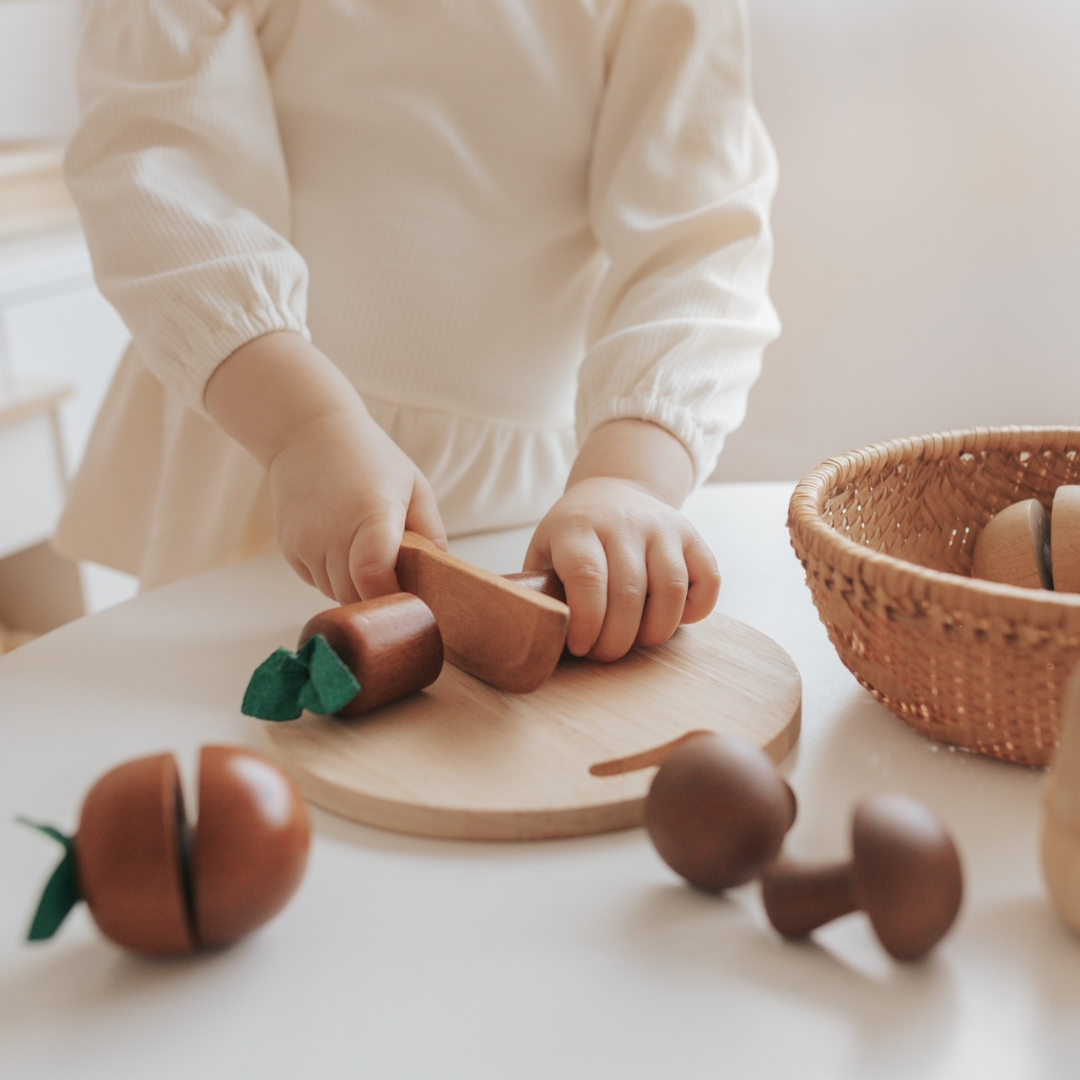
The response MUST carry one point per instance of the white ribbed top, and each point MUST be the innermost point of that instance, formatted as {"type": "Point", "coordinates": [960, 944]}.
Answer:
{"type": "Point", "coordinates": [508, 221]}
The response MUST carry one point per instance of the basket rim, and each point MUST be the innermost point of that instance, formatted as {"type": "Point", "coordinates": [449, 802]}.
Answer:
{"type": "Point", "coordinates": [902, 578]}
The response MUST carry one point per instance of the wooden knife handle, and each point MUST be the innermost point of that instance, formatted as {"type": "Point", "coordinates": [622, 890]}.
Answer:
{"type": "Point", "coordinates": [541, 581]}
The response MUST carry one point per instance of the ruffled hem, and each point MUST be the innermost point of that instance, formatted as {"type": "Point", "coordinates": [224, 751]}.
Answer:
{"type": "Point", "coordinates": [163, 493]}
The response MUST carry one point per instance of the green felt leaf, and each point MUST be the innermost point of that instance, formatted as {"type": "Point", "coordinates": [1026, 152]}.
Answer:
{"type": "Point", "coordinates": [61, 892]}
{"type": "Point", "coordinates": [286, 683]}
{"type": "Point", "coordinates": [332, 685]}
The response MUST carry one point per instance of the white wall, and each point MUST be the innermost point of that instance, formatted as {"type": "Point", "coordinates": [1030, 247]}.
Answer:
{"type": "Point", "coordinates": [37, 80]}
{"type": "Point", "coordinates": [927, 222]}
{"type": "Point", "coordinates": [927, 225]}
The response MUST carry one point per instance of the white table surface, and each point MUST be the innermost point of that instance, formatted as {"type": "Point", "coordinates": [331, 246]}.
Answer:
{"type": "Point", "coordinates": [405, 957]}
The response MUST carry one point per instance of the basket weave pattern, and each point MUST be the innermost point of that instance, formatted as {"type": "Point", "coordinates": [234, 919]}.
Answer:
{"type": "Point", "coordinates": [886, 535]}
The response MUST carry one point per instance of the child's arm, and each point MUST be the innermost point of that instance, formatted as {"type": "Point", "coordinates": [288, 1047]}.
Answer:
{"type": "Point", "coordinates": [342, 490]}
{"type": "Point", "coordinates": [680, 182]}
{"type": "Point", "coordinates": [633, 567]}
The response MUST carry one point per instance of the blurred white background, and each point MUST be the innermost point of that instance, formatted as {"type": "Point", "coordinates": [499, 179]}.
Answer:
{"type": "Point", "coordinates": [927, 224]}
{"type": "Point", "coordinates": [37, 80]}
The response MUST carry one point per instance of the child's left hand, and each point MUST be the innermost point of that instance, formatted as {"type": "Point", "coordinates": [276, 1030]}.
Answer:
{"type": "Point", "coordinates": [633, 566]}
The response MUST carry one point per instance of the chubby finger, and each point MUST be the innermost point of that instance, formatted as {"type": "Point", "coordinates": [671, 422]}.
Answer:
{"type": "Point", "coordinates": [627, 587]}
{"type": "Point", "coordinates": [299, 568]}
{"type": "Point", "coordinates": [316, 573]}
{"type": "Point", "coordinates": [374, 551]}
{"type": "Point", "coordinates": [669, 581]}
{"type": "Point", "coordinates": [704, 575]}
{"type": "Point", "coordinates": [340, 577]}
{"type": "Point", "coordinates": [424, 517]}
{"type": "Point", "coordinates": [581, 565]}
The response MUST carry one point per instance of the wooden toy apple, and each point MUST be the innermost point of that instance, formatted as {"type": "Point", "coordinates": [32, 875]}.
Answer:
{"type": "Point", "coordinates": [1065, 538]}
{"type": "Point", "coordinates": [155, 885]}
{"type": "Point", "coordinates": [1014, 547]}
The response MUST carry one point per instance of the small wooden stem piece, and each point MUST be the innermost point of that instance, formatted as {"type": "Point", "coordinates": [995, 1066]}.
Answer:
{"type": "Point", "coordinates": [904, 873]}
{"type": "Point", "coordinates": [1014, 547]}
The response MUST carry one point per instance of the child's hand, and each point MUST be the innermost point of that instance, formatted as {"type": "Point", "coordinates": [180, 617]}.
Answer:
{"type": "Point", "coordinates": [633, 567]}
{"type": "Point", "coordinates": [343, 491]}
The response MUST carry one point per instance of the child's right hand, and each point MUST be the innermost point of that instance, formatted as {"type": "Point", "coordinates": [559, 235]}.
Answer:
{"type": "Point", "coordinates": [343, 491]}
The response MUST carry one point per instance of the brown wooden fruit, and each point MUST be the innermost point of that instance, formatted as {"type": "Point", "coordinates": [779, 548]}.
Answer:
{"type": "Point", "coordinates": [153, 886]}
{"type": "Point", "coordinates": [904, 874]}
{"type": "Point", "coordinates": [250, 845]}
{"type": "Point", "coordinates": [130, 857]}
{"type": "Point", "coordinates": [1065, 538]}
{"type": "Point", "coordinates": [718, 810]}
{"type": "Point", "coordinates": [1014, 547]}
{"type": "Point", "coordinates": [391, 644]}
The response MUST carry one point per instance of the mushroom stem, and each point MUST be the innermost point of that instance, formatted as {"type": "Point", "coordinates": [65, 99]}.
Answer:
{"type": "Point", "coordinates": [904, 873]}
{"type": "Point", "coordinates": [799, 897]}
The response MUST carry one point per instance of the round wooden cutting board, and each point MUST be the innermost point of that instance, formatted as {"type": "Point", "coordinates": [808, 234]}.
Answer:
{"type": "Point", "coordinates": [464, 760]}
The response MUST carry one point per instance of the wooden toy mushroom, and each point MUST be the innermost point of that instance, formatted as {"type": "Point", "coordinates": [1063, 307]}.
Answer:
{"type": "Point", "coordinates": [904, 874]}
{"type": "Point", "coordinates": [1065, 538]}
{"type": "Point", "coordinates": [1061, 812]}
{"type": "Point", "coordinates": [717, 810]}
{"type": "Point", "coordinates": [1014, 547]}
{"type": "Point", "coordinates": [153, 888]}
{"type": "Point", "coordinates": [350, 660]}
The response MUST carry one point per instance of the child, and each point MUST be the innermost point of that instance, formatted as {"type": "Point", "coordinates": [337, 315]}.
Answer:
{"type": "Point", "coordinates": [423, 264]}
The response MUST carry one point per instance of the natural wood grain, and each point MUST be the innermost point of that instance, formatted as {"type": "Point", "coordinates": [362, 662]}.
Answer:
{"type": "Point", "coordinates": [1061, 820]}
{"type": "Point", "coordinates": [462, 759]}
{"type": "Point", "coordinates": [1012, 548]}
{"type": "Point", "coordinates": [544, 581]}
{"type": "Point", "coordinates": [1065, 538]}
{"type": "Point", "coordinates": [507, 635]}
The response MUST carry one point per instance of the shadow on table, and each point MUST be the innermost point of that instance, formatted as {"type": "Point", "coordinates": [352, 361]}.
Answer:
{"type": "Point", "coordinates": [92, 978]}
{"type": "Point", "coordinates": [902, 1013]}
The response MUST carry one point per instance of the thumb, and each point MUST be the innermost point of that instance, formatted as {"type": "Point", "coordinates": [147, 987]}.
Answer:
{"type": "Point", "coordinates": [374, 550]}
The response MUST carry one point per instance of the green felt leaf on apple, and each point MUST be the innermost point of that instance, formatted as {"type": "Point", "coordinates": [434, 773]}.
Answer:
{"type": "Point", "coordinates": [61, 891]}
{"type": "Point", "coordinates": [287, 682]}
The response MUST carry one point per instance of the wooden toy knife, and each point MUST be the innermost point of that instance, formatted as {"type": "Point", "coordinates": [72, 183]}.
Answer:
{"type": "Point", "coordinates": [509, 634]}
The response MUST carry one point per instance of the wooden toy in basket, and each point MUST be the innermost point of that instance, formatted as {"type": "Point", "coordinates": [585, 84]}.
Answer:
{"type": "Point", "coordinates": [887, 537]}
{"type": "Point", "coordinates": [1061, 820]}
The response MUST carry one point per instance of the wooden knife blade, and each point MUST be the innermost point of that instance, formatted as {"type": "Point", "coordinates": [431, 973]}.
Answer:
{"type": "Point", "coordinates": [507, 634]}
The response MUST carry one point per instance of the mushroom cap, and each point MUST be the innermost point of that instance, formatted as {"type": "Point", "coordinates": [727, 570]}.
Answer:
{"type": "Point", "coordinates": [718, 810]}
{"type": "Point", "coordinates": [129, 857]}
{"type": "Point", "coordinates": [250, 845]}
{"type": "Point", "coordinates": [907, 873]}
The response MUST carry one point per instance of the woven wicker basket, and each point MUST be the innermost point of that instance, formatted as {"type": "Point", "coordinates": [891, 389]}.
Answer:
{"type": "Point", "coordinates": [886, 535]}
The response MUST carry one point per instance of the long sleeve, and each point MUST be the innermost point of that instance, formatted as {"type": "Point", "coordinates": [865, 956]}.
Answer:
{"type": "Point", "coordinates": [178, 172]}
{"type": "Point", "coordinates": [681, 181]}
